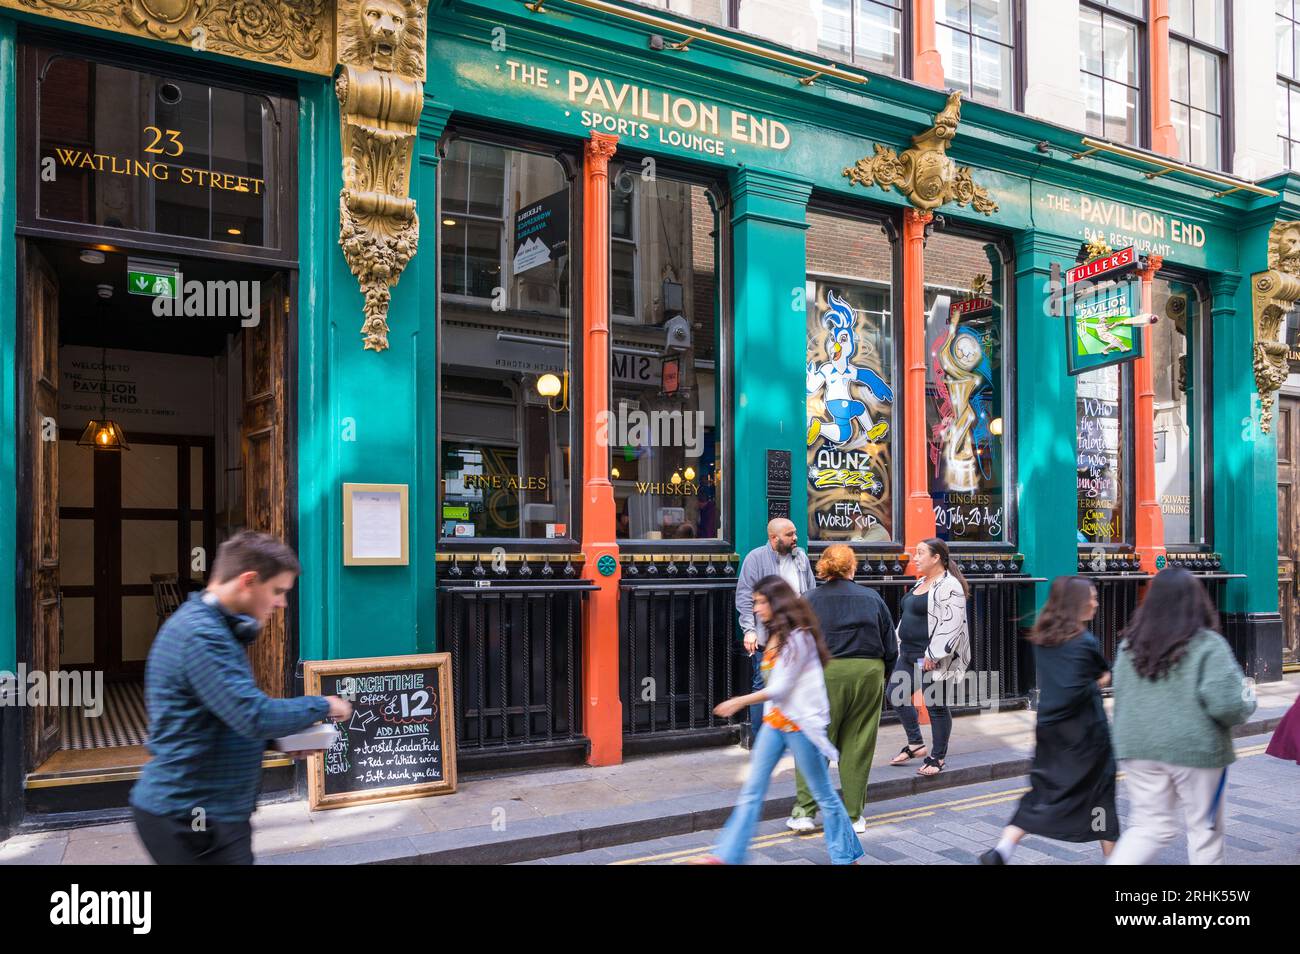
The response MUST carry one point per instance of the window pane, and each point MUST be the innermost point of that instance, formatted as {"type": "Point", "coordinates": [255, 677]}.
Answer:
{"type": "Point", "coordinates": [1179, 90]}
{"type": "Point", "coordinates": [1180, 17]}
{"type": "Point", "coordinates": [878, 36]}
{"type": "Point", "coordinates": [1176, 427]}
{"type": "Point", "coordinates": [505, 444]}
{"type": "Point", "coordinates": [954, 51]}
{"type": "Point", "coordinates": [1295, 154]}
{"type": "Point", "coordinates": [851, 397]}
{"type": "Point", "coordinates": [834, 28]}
{"type": "Point", "coordinates": [1101, 444]}
{"type": "Point", "coordinates": [1207, 149]}
{"type": "Point", "coordinates": [665, 396]}
{"type": "Point", "coordinates": [1090, 41]}
{"type": "Point", "coordinates": [1205, 80]}
{"type": "Point", "coordinates": [1178, 114]}
{"type": "Point", "coordinates": [1282, 30]}
{"type": "Point", "coordinates": [992, 19]}
{"type": "Point", "coordinates": [1293, 97]}
{"type": "Point", "coordinates": [1121, 113]}
{"type": "Point", "coordinates": [1092, 86]}
{"type": "Point", "coordinates": [1135, 7]}
{"type": "Point", "coordinates": [1121, 51]}
{"type": "Point", "coordinates": [1210, 21]}
{"type": "Point", "coordinates": [964, 393]}
{"type": "Point", "coordinates": [992, 80]}
{"type": "Point", "coordinates": [1283, 92]}
{"type": "Point", "coordinates": [954, 12]}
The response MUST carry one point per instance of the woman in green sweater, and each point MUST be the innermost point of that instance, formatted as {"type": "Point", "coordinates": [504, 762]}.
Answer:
{"type": "Point", "coordinates": [1178, 693]}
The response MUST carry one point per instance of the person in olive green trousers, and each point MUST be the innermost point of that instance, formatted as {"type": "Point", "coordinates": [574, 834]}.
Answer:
{"type": "Point", "coordinates": [860, 635]}
{"type": "Point", "coordinates": [1178, 693]}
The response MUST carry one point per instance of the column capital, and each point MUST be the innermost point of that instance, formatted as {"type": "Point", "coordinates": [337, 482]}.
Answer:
{"type": "Point", "coordinates": [770, 196]}
{"type": "Point", "coordinates": [1031, 243]}
{"type": "Point", "coordinates": [915, 217]}
{"type": "Point", "coordinates": [599, 149]}
{"type": "Point", "coordinates": [1223, 285]}
{"type": "Point", "coordinates": [433, 119]}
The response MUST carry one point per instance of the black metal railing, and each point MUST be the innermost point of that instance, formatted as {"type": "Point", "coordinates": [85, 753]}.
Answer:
{"type": "Point", "coordinates": [679, 652]}
{"type": "Point", "coordinates": [1118, 595]}
{"type": "Point", "coordinates": [516, 650]}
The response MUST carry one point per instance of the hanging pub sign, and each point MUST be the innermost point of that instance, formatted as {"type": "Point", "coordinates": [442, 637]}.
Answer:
{"type": "Point", "coordinates": [1102, 322]}
{"type": "Point", "coordinates": [541, 231]}
{"type": "Point", "coordinates": [400, 741]}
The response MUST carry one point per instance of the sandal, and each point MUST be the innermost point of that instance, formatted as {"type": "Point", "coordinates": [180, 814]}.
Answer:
{"type": "Point", "coordinates": [936, 765]}
{"type": "Point", "coordinates": [907, 753]}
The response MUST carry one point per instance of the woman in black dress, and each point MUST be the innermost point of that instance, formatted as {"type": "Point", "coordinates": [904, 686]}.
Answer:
{"type": "Point", "coordinates": [1072, 793]}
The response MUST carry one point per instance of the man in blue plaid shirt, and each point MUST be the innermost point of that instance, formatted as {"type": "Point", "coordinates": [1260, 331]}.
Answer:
{"type": "Point", "coordinates": [209, 723]}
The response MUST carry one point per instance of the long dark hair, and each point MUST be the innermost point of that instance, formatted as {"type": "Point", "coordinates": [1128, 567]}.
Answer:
{"type": "Point", "coordinates": [1175, 609]}
{"type": "Point", "coordinates": [1060, 619]}
{"type": "Point", "coordinates": [789, 612]}
{"type": "Point", "coordinates": [940, 549]}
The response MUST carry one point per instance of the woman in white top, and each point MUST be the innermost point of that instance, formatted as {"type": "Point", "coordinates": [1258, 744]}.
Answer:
{"type": "Point", "coordinates": [796, 712]}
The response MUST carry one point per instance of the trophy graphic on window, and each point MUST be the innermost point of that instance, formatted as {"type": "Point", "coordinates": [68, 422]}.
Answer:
{"type": "Point", "coordinates": [965, 375]}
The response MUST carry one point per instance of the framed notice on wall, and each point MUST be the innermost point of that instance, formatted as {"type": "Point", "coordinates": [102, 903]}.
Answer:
{"type": "Point", "coordinates": [401, 739]}
{"type": "Point", "coordinates": [375, 525]}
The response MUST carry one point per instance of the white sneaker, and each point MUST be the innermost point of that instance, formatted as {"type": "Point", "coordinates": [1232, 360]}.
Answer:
{"type": "Point", "coordinates": [800, 824]}
{"type": "Point", "coordinates": [860, 825]}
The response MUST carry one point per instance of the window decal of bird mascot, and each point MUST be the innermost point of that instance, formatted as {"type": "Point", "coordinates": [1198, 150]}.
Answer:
{"type": "Point", "coordinates": [837, 376]}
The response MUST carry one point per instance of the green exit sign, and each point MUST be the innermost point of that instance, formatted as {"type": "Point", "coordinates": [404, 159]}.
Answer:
{"type": "Point", "coordinates": [151, 284]}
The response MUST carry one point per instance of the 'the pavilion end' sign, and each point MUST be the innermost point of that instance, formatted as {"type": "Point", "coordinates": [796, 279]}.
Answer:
{"type": "Point", "coordinates": [1103, 301]}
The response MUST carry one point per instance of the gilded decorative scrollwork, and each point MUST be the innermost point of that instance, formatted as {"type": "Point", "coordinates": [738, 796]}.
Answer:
{"type": "Point", "coordinates": [380, 90]}
{"type": "Point", "coordinates": [291, 33]}
{"type": "Point", "coordinates": [1273, 294]}
{"type": "Point", "coordinates": [924, 173]}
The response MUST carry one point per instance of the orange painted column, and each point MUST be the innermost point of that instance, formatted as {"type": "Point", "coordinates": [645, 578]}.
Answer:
{"type": "Point", "coordinates": [602, 713]}
{"type": "Point", "coordinates": [1164, 138]}
{"type": "Point", "coordinates": [927, 64]}
{"type": "Point", "coordinates": [918, 517]}
{"type": "Point", "coordinates": [1149, 529]}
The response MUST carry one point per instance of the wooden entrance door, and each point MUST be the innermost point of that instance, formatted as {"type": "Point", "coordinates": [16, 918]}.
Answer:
{"type": "Point", "coordinates": [1288, 525]}
{"type": "Point", "coordinates": [39, 457]}
{"type": "Point", "coordinates": [265, 463]}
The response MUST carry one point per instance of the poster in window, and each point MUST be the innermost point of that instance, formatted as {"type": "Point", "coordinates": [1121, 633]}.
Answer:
{"type": "Point", "coordinates": [964, 415]}
{"type": "Point", "coordinates": [850, 414]}
{"type": "Point", "coordinates": [541, 230]}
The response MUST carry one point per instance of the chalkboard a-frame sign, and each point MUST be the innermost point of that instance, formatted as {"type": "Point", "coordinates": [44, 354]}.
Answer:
{"type": "Point", "coordinates": [401, 739]}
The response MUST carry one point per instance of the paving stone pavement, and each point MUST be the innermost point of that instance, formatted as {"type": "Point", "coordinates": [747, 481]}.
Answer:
{"type": "Point", "coordinates": [954, 825]}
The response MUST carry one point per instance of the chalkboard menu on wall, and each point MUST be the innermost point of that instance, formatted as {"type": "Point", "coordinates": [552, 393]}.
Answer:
{"type": "Point", "coordinates": [400, 741]}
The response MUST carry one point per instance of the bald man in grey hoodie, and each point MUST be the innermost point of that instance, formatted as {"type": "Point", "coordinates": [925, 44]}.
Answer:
{"type": "Point", "coordinates": [780, 556]}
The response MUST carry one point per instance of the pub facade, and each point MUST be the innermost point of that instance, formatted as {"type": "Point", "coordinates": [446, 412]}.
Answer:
{"type": "Point", "coordinates": [585, 294]}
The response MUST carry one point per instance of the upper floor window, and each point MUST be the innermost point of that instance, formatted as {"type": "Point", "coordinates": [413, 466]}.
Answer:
{"type": "Point", "coordinates": [1288, 81]}
{"type": "Point", "coordinates": [718, 12]}
{"type": "Point", "coordinates": [866, 32]}
{"type": "Point", "coordinates": [1112, 61]}
{"type": "Point", "coordinates": [976, 40]}
{"type": "Point", "coordinates": [1198, 74]}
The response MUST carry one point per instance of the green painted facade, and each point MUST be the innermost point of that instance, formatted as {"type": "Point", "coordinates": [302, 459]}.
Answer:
{"type": "Point", "coordinates": [372, 417]}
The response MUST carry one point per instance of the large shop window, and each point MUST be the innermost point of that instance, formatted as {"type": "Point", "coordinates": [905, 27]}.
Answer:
{"type": "Point", "coordinates": [667, 394]}
{"type": "Point", "coordinates": [1103, 439]}
{"type": "Point", "coordinates": [1176, 349]}
{"type": "Point", "coordinates": [507, 382]}
{"type": "Point", "coordinates": [967, 427]}
{"type": "Point", "coordinates": [129, 149]}
{"type": "Point", "coordinates": [852, 380]}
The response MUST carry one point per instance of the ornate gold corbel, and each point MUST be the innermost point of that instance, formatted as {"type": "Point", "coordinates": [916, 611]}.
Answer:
{"type": "Point", "coordinates": [1273, 293]}
{"type": "Point", "coordinates": [380, 88]}
{"type": "Point", "coordinates": [924, 173]}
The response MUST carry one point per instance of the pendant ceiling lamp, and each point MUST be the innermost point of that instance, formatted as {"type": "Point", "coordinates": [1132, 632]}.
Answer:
{"type": "Point", "coordinates": [103, 433]}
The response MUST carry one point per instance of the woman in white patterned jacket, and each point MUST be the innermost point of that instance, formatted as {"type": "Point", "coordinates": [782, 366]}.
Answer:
{"type": "Point", "coordinates": [934, 639]}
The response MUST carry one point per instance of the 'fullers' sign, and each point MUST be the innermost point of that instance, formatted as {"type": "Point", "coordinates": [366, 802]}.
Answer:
{"type": "Point", "coordinates": [1098, 266]}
